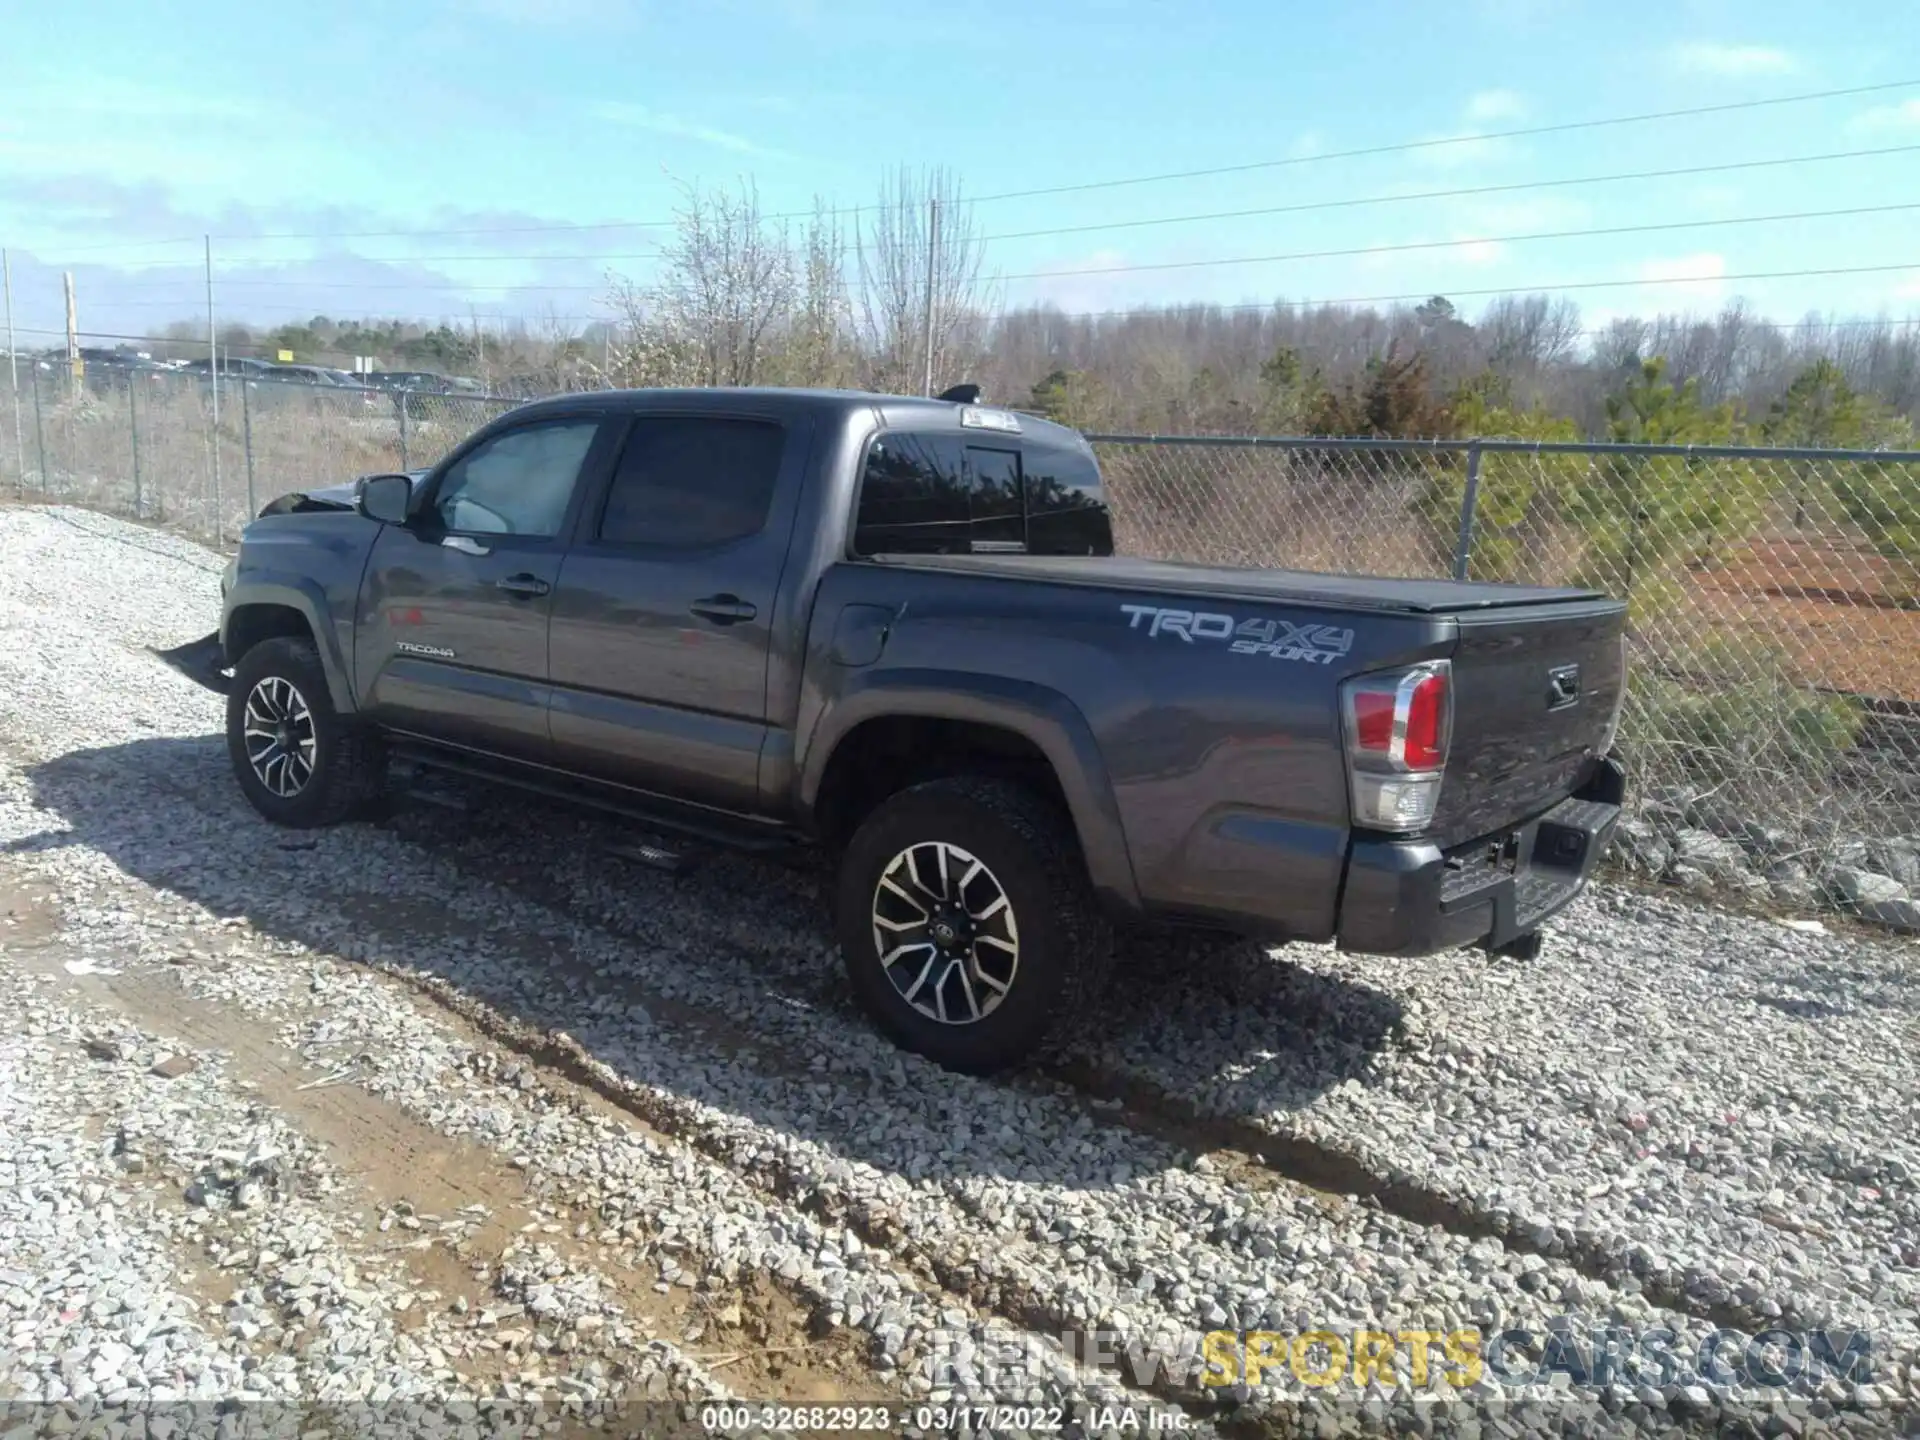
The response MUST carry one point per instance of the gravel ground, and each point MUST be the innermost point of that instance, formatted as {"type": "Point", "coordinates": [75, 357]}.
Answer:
{"type": "Point", "coordinates": [1678, 1118]}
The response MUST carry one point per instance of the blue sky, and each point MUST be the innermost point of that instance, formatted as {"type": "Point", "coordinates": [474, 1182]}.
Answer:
{"type": "Point", "coordinates": [129, 125]}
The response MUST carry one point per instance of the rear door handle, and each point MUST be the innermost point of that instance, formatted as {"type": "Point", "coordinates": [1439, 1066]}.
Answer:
{"type": "Point", "coordinates": [523, 586]}
{"type": "Point", "coordinates": [723, 609]}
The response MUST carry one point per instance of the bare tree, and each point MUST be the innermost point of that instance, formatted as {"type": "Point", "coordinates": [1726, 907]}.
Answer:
{"type": "Point", "coordinates": [920, 256]}
{"type": "Point", "coordinates": [818, 344]}
{"type": "Point", "coordinates": [725, 291]}
{"type": "Point", "coordinates": [1522, 334]}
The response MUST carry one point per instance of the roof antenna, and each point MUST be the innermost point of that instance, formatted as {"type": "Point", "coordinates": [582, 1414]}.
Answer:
{"type": "Point", "coordinates": [961, 394]}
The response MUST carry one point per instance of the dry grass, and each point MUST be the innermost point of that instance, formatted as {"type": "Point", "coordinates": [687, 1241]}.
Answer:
{"type": "Point", "coordinates": [148, 451]}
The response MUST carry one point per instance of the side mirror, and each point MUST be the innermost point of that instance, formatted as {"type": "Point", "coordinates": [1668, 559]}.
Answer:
{"type": "Point", "coordinates": [385, 498]}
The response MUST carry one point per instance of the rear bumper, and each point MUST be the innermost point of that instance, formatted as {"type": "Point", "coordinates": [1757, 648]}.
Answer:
{"type": "Point", "coordinates": [1409, 897]}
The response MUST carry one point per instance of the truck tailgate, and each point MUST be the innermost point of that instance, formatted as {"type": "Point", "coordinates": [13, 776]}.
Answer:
{"type": "Point", "coordinates": [1536, 690]}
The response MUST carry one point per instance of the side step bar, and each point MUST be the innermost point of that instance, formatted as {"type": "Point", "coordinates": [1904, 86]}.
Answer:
{"type": "Point", "coordinates": [201, 661]}
{"type": "Point", "coordinates": [653, 812]}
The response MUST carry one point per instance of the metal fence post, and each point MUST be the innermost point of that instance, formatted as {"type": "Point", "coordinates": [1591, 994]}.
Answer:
{"type": "Point", "coordinates": [39, 432]}
{"type": "Point", "coordinates": [246, 437]}
{"type": "Point", "coordinates": [403, 431]}
{"type": "Point", "coordinates": [213, 437]}
{"type": "Point", "coordinates": [133, 432]}
{"type": "Point", "coordinates": [1469, 502]}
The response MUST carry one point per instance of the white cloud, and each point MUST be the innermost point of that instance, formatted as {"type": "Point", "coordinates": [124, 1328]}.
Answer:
{"type": "Point", "coordinates": [1492, 105]}
{"type": "Point", "coordinates": [1698, 275]}
{"type": "Point", "coordinates": [1708, 57]}
{"type": "Point", "coordinates": [1308, 145]}
{"type": "Point", "coordinates": [1908, 290]}
{"type": "Point", "coordinates": [639, 117]}
{"type": "Point", "coordinates": [1883, 118]}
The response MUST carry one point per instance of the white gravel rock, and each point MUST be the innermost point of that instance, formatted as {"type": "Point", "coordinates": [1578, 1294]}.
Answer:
{"type": "Point", "coordinates": [1676, 1118]}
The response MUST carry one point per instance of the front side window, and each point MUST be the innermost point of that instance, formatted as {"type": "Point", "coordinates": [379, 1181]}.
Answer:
{"type": "Point", "coordinates": [517, 483]}
{"type": "Point", "coordinates": [689, 482]}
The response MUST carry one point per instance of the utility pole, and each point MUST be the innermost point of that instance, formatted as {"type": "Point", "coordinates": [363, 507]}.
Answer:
{"type": "Point", "coordinates": [73, 340]}
{"type": "Point", "coordinates": [13, 375]}
{"type": "Point", "coordinates": [213, 380]}
{"type": "Point", "coordinates": [933, 263]}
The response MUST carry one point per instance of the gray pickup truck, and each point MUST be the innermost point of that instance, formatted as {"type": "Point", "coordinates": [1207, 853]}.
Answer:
{"type": "Point", "coordinates": [896, 628]}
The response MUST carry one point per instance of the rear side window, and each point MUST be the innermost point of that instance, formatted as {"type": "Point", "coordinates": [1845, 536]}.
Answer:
{"type": "Point", "coordinates": [1066, 503]}
{"type": "Point", "coordinates": [913, 497]}
{"type": "Point", "coordinates": [689, 482]}
{"type": "Point", "coordinates": [941, 495]}
{"type": "Point", "coordinates": [996, 510]}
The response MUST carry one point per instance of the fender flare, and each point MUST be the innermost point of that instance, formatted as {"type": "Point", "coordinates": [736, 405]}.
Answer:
{"type": "Point", "coordinates": [1038, 714]}
{"type": "Point", "coordinates": [305, 598]}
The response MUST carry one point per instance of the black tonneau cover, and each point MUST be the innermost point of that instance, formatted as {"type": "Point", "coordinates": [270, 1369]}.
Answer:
{"type": "Point", "coordinates": [1305, 587]}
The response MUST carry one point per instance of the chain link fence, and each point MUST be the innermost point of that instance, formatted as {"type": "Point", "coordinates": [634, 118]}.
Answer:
{"type": "Point", "coordinates": [142, 442]}
{"type": "Point", "coordinates": [1772, 720]}
{"type": "Point", "coordinates": [1773, 713]}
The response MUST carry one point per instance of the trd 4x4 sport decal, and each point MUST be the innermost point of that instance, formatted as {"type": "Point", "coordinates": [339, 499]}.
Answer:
{"type": "Point", "coordinates": [1278, 639]}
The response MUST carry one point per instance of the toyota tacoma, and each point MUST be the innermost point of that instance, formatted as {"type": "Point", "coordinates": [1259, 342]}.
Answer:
{"type": "Point", "coordinates": [896, 628]}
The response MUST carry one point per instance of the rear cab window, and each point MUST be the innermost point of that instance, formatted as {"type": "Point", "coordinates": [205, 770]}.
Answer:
{"type": "Point", "coordinates": [948, 493]}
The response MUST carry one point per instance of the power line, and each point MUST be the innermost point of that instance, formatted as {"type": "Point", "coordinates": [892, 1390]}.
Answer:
{"type": "Point", "coordinates": [1592, 232]}
{"type": "Point", "coordinates": [1564, 287]}
{"type": "Point", "coordinates": [1398, 147]}
{"type": "Point", "coordinates": [1459, 244]}
{"type": "Point", "coordinates": [198, 343]}
{"type": "Point", "coordinates": [261, 347]}
{"type": "Point", "coordinates": [1302, 207]}
{"type": "Point", "coordinates": [1476, 139]}
{"type": "Point", "coordinates": [1455, 194]}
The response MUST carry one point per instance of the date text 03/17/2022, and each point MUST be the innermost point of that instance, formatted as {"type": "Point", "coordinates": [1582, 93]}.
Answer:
{"type": "Point", "coordinates": [740, 1416]}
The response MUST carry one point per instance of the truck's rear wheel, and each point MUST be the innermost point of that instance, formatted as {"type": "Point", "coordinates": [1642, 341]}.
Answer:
{"type": "Point", "coordinates": [967, 923]}
{"type": "Point", "coordinates": [299, 762]}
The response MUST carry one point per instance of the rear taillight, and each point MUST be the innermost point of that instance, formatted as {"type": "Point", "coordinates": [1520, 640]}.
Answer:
{"type": "Point", "coordinates": [1398, 725]}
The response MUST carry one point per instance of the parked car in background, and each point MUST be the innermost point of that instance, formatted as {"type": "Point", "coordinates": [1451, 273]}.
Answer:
{"type": "Point", "coordinates": [424, 382]}
{"type": "Point", "coordinates": [242, 366]}
{"type": "Point", "coordinates": [107, 371]}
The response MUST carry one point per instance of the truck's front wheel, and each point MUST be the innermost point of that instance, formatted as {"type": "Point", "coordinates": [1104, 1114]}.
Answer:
{"type": "Point", "coordinates": [967, 922]}
{"type": "Point", "coordinates": [298, 761]}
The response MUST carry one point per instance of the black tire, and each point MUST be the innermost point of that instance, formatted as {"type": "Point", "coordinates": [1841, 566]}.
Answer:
{"type": "Point", "coordinates": [348, 762]}
{"type": "Point", "coordinates": [1065, 942]}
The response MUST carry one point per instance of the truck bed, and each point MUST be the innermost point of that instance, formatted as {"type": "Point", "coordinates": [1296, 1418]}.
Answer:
{"type": "Point", "coordinates": [1296, 587]}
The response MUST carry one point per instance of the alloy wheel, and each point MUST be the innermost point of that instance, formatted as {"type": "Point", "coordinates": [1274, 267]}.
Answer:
{"type": "Point", "coordinates": [279, 736]}
{"type": "Point", "coordinates": [945, 933]}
